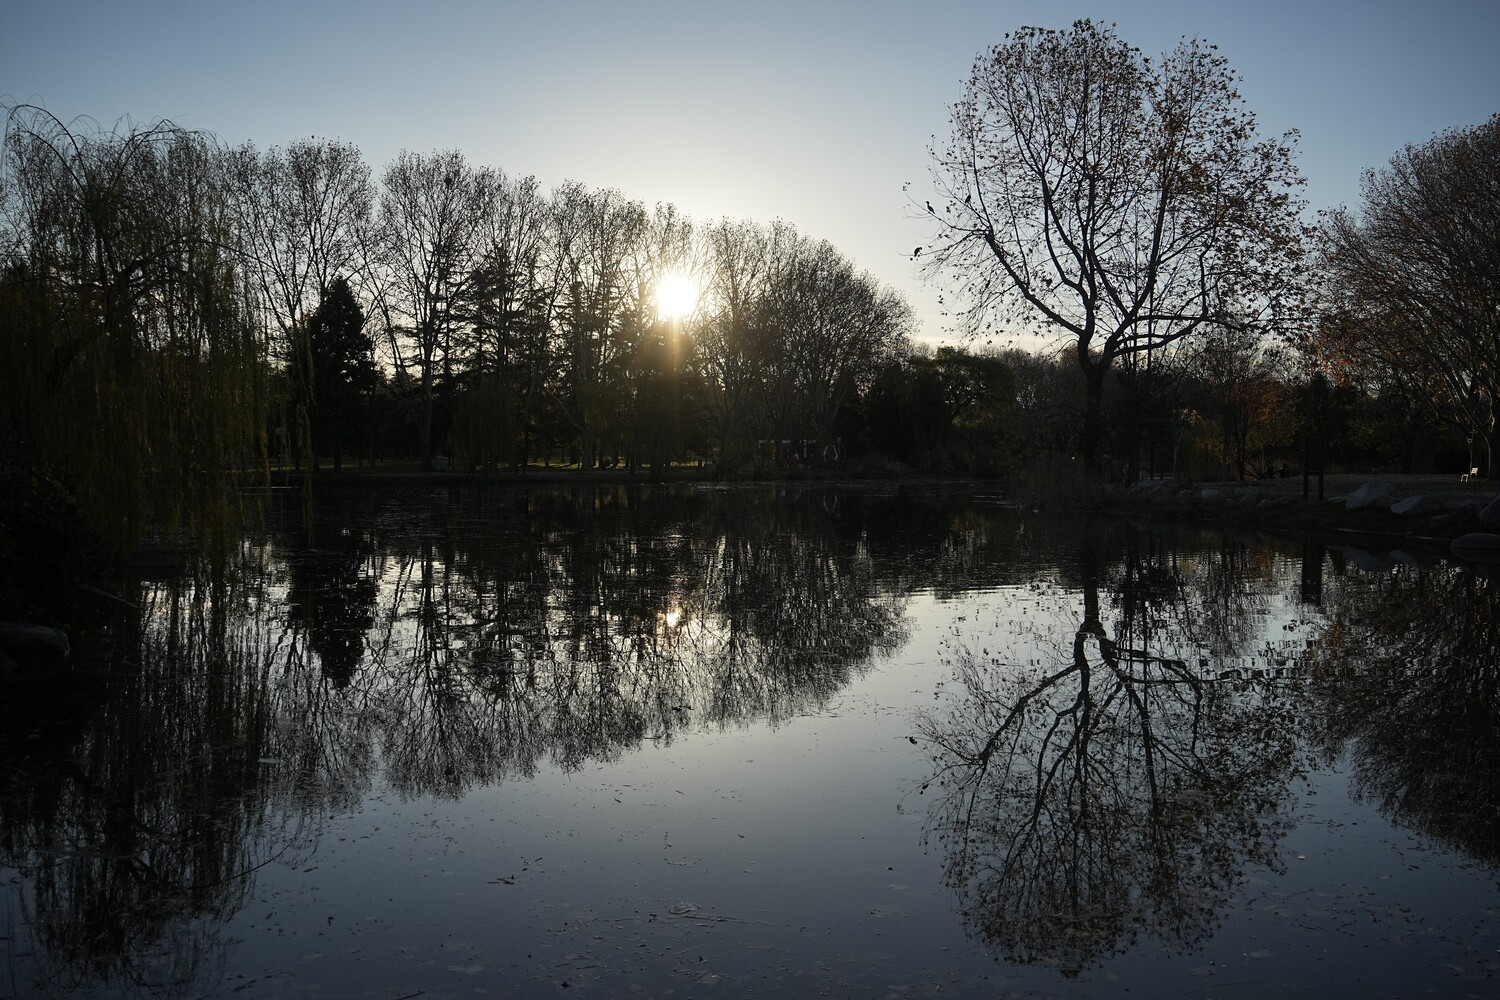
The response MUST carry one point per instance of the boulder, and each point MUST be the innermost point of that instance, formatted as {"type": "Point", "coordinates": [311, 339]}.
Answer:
{"type": "Point", "coordinates": [20, 638]}
{"type": "Point", "coordinates": [1378, 495]}
{"type": "Point", "coordinates": [1417, 505]}
{"type": "Point", "coordinates": [1450, 521]}
{"type": "Point", "coordinates": [1489, 514]}
{"type": "Point", "coordinates": [1271, 503]}
{"type": "Point", "coordinates": [26, 647]}
{"type": "Point", "coordinates": [1478, 545]}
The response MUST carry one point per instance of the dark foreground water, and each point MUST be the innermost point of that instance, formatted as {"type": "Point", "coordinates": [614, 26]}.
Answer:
{"type": "Point", "coordinates": [758, 742]}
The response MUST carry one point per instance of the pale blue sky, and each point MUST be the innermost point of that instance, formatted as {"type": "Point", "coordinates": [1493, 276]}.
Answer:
{"type": "Point", "coordinates": [814, 112]}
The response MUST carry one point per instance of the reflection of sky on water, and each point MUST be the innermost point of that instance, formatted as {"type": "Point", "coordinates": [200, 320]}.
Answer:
{"type": "Point", "coordinates": [766, 853]}
{"type": "Point", "coordinates": [1362, 910]}
{"type": "Point", "coordinates": [779, 846]}
{"type": "Point", "coordinates": [764, 859]}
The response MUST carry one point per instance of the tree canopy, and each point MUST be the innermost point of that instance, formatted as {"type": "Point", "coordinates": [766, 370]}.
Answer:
{"type": "Point", "coordinates": [133, 357]}
{"type": "Point", "coordinates": [1414, 279]}
{"type": "Point", "coordinates": [179, 314]}
{"type": "Point", "coordinates": [1122, 202]}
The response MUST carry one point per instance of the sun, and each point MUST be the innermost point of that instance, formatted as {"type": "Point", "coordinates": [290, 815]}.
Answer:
{"type": "Point", "coordinates": [676, 295]}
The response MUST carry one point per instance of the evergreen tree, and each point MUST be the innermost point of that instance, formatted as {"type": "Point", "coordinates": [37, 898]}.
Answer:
{"type": "Point", "coordinates": [343, 374]}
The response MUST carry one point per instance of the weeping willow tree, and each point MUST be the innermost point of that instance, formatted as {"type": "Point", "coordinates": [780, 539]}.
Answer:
{"type": "Point", "coordinates": [134, 370]}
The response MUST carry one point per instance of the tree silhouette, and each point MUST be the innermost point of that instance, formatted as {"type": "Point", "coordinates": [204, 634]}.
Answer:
{"type": "Point", "coordinates": [1123, 202]}
{"type": "Point", "coordinates": [134, 363]}
{"type": "Point", "coordinates": [1414, 280]}
{"type": "Point", "coordinates": [343, 376]}
{"type": "Point", "coordinates": [1108, 790]}
{"type": "Point", "coordinates": [1408, 687]}
{"type": "Point", "coordinates": [434, 210]}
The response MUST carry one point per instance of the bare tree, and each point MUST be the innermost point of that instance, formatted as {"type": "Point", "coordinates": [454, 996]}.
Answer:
{"type": "Point", "coordinates": [303, 215]}
{"type": "Point", "coordinates": [506, 309]}
{"type": "Point", "coordinates": [736, 263]}
{"type": "Point", "coordinates": [828, 327]}
{"type": "Point", "coordinates": [303, 211]}
{"type": "Point", "coordinates": [1123, 202]}
{"type": "Point", "coordinates": [1416, 282]}
{"type": "Point", "coordinates": [433, 213]}
{"type": "Point", "coordinates": [598, 233]}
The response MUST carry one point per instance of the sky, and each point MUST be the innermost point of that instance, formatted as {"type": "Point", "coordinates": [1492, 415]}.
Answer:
{"type": "Point", "coordinates": [817, 113]}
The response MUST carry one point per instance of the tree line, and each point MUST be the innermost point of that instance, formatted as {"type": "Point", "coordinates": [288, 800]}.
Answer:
{"type": "Point", "coordinates": [1130, 209]}
{"type": "Point", "coordinates": [174, 307]}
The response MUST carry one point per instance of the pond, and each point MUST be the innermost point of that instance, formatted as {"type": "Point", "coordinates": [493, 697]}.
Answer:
{"type": "Point", "coordinates": [756, 741]}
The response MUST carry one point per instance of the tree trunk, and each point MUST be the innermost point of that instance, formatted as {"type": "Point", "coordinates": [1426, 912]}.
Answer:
{"type": "Point", "coordinates": [1092, 443]}
{"type": "Point", "coordinates": [1241, 441]}
{"type": "Point", "coordinates": [425, 444]}
{"type": "Point", "coordinates": [1491, 444]}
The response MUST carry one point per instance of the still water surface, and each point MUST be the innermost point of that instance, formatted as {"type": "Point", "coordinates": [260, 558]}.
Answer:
{"type": "Point", "coordinates": [737, 742]}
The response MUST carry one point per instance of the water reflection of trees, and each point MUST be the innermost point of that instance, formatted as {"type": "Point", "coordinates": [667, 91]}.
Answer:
{"type": "Point", "coordinates": [592, 623]}
{"type": "Point", "coordinates": [1407, 679]}
{"type": "Point", "coordinates": [135, 796]}
{"type": "Point", "coordinates": [432, 642]}
{"type": "Point", "coordinates": [1116, 782]}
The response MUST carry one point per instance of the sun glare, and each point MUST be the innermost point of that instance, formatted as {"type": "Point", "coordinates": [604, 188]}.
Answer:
{"type": "Point", "coordinates": [676, 295]}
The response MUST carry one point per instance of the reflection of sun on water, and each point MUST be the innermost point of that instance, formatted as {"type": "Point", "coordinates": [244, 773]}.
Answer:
{"type": "Point", "coordinates": [672, 618]}
{"type": "Point", "coordinates": [676, 295]}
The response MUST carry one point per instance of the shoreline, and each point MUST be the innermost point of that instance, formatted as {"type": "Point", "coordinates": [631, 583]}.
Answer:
{"type": "Point", "coordinates": [1435, 511]}
{"type": "Point", "coordinates": [537, 477]}
{"type": "Point", "coordinates": [1432, 509]}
